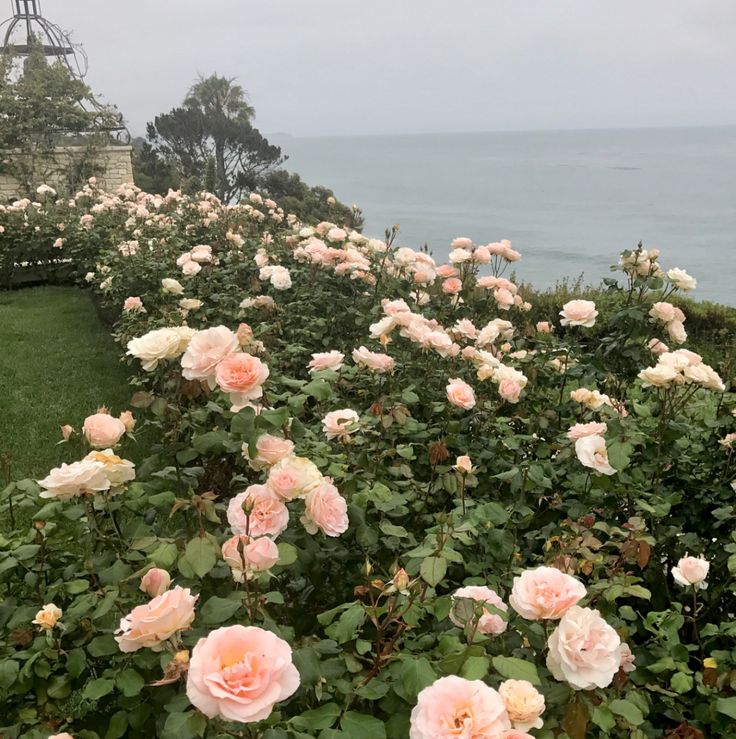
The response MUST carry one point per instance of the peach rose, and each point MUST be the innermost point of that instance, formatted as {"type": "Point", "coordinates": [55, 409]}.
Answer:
{"type": "Point", "coordinates": [78, 478]}
{"type": "Point", "coordinates": [545, 593]}
{"type": "Point", "coordinates": [455, 707]}
{"type": "Point", "coordinates": [373, 360]}
{"type": "Point", "coordinates": [269, 450]}
{"type": "Point", "coordinates": [102, 430]}
{"type": "Point", "coordinates": [592, 452]}
{"type": "Point", "coordinates": [584, 650]}
{"type": "Point", "coordinates": [61, 736]}
{"type": "Point", "coordinates": [579, 313]}
{"type": "Point", "coordinates": [155, 582]}
{"type": "Point", "coordinates": [580, 430]}
{"type": "Point", "coordinates": [205, 351]}
{"type": "Point", "coordinates": [326, 510]}
{"type": "Point", "coordinates": [133, 304]}
{"type": "Point", "coordinates": [510, 390]}
{"type": "Point", "coordinates": [244, 334]}
{"type": "Point", "coordinates": [340, 424]}
{"type": "Point", "coordinates": [524, 704]}
{"type": "Point", "coordinates": [452, 286]}
{"type": "Point", "coordinates": [691, 571]}
{"type": "Point", "coordinates": [267, 515]}
{"type": "Point", "coordinates": [246, 557]}
{"type": "Point", "coordinates": [326, 361]}
{"type": "Point", "coordinates": [293, 477]}
{"type": "Point", "coordinates": [241, 376]}
{"type": "Point", "coordinates": [239, 673]}
{"type": "Point", "coordinates": [48, 616]}
{"type": "Point", "coordinates": [447, 270]}
{"type": "Point", "coordinates": [128, 421]}
{"type": "Point", "coordinates": [462, 613]}
{"type": "Point", "coordinates": [544, 327]}
{"type": "Point", "coordinates": [156, 621]}
{"type": "Point", "coordinates": [460, 394]}
{"type": "Point", "coordinates": [515, 734]}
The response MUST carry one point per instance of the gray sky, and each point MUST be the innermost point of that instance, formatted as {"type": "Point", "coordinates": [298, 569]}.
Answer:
{"type": "Point", "coordinates": [315, 67]}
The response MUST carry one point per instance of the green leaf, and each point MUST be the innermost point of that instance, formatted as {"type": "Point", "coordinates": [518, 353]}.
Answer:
{"type": "Point", "coordinates": [275, 418]}
{"type": "Point", "coordinates": [727, 706]}
{"type": "Point", "coordinates": [76, 661]}
{"type": "Point", "coordinates": [475, 668]}
{"type": "Point", "coordinates": [627, 710]}
{"type": "Point", "coordinates": [619, 454]}
{"type": "Point", "coordinates": [603, 718]}
{"type": "Point", "coordinates": [184, 726]}
{"type": "Point", "coordinates": [216, 610]}
{"type": "Point", "coordinates": [516, 669]}
{"type": "Point", "coordinates": [117, 726]}
{"type": "Point", "coordinates": [681, 682]}
{"type": "Point", "coordinates": [95, 689]}
{"type": "Point", "coordinates": [433, 569]}
{"type": "Point", "coordinates": [360, 726]}
{"type": "Point", "coordinates": [9, 670]}
{"type": "Point", "coordinates": [416, 674]}
{"type": "Point", "coordinates": [287, 554]}
{"type": "Point", "coordinates": [129, 683]}
{"type": "Point", "coordinates": [318, 389]}
{"type": "Point", "coordinates": [348, 625]}
{"type": "Point", "coordinates": [201, 556]}
{"type": "Point", "coordinates": [210, 442]}
{"type": "Point", "coordinates": [318, 718]}
{"type": "Point", "coordinates": [103, 646]}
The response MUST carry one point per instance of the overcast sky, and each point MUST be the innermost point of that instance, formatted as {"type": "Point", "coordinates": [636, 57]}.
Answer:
{"type": "Point", "coordinates": [320, 67]}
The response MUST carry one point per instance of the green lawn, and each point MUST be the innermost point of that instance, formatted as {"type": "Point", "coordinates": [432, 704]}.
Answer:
{"type": "Point", "coordinates": [58, 364]}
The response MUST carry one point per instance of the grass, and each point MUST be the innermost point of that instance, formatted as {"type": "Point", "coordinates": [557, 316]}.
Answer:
{"type": "Point", "coordinates": [58, 364]}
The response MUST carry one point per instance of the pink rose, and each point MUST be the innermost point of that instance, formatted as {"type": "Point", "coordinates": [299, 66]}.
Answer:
{"type": "Point", "coordinates": [326, 361]}
{"type": "Point", "coordinates": [515, 734]}
{"type": "Point", "coordinates": [293, 477]}
{"type": "Point", "coordinates": [340, 424]}
{"type": "Point", "coordinates": [676, 331]}
{"type": "Point", "coordinates": [627, 658]}
{"type": "Point", "coordinates": [579, 430]}
{"type": "Point", "coordinates": [462, 612]}
{"type": "Point", "coordinates": [246, 557]}
{"type": "Point", "coordinates": [545, 593]}
{"type": "Point", "coordinates": [544, 327]}
{"type": "Point", "coordinates": [241, 376]}
{"type": "Point", "coordinates": [155, 582]}
{"type": "Point", "coordinates": [524, 704]}
{"type": "Point", "coordinates": [584, 650]}
{"type": "Point", "coordinates": [510, 390]}
{"type": "Point", "coordinates": [657, 347]}
{"type": "Point", "coordinates": [103, 430]}
{"type": "Point", "coordinates": [452, 286]}
{"type": "Point", "coordinates": [244, 334]}
{"type": "Point", "coordinates": [133, 304]}
{"type": "Point", "coordinates": [462, 242]}
{"type": "Point", "coordinates": [126, 417]}
{"type": "Point", "coordinates": [85, 477]}
{"type": "Point", "coordinates": [579, 313]}
{"type": "Point", "coordinates": [61, 736]}
{"type": "Point", "coordinates": [373, 360]}
{"type": "Point", "coordinates": [239, 673]}
{"type": "Point", "coordinates": [664, 312]}
{"type": "Point", "coordinates": [269, 450]}
{"type": "Point", "coordinates": [691, 571]}
{"type": "Point", "coordinates": [482, 255]}
{"type": "Point", "coordinates": [326, 510]}
{"type": "Point", "coordinates": [205, 351]}
{"type": "Point", "coordinates": [592, 452]}
{"type": "Point", "coordinates": [447, 270]}
{"type": "Point", "coordinates": [455, 707]}
{"type": "Point", "coordinates": [503, 297]}
{"type": "Point", "coordinates": [460, 394]}
{"type": "Point", "coordinates": [153, 623]}
{"type": "Point", "coordinates": [267, 516]}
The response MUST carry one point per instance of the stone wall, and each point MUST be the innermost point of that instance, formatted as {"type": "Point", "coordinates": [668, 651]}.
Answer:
{"type": "Point", "coordinates": [116, 160]}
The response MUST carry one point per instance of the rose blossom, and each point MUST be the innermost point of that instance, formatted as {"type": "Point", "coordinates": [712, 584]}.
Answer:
{"type": "Point", "coordinates": [155, 582]}
{"type": "Point", "coordinates": [151, 348]}
{"type": "Point", "coordinates": [73, 479]}
{"type": "Point", "coordinates": [657, 347]}
{"type": "Point", "coordinates": [340, 424]}
{"type": "Point", "coordinates": [676, 332]}
{"type": "Point", "coordinates": [460, 394]}
{"type": "Point", "coordinates": [515, 734]}
{"type": "Point", "coordinates": [205, 351]}
{"type": "Point", "coordinates": [103, 430]}
{"type": "Point", "coordinates": [201, 253]}
{"type": "Point", "coordinates": [189, 269]}
{"type": "Point", "coordinates": [592, 452]}
{"type": "Point", "coordinates": [156, 621]}
{"type": "Point", "coordinates": [544, 327]}
{"type": "Point", "coordinates": [239, 672]}
{"type": "Point", "coordinates": [681, 279]}
{"type": "Point", "coordinates": [64, 735]}
{"type": "Point", "coordinates": [452, 286]}
{"type": "Point", "coordinates": [579, 313]}
{"type": "Point", "coordinates": [48, 616]}
{"type": "Point", "coordinates": [133, 304]}
{"type": "Point", "coordinates": [462, 613]}
{"type": "Point", "coordinates": [545, 593]}
{"type": "Point", "coordinates": [246, 557]}
{"type": "Point", "coordinates": [117, 470]}
{"type": "Point", "coordinates": [326, 510]}
{"type": "Point", "coordinates": [293, 477]}
{"type": "Point", "coordinates": [463, 464]}
{"type": "Point", "coordinates": [691, 571]}
{"type": "Point", "coordinates": [267, 516]}
{"type": "Point", "coordinates": [524, 704]}
{"type": "Point", "coordinates": [269, 450]}
{"type": "Point", "coordinates": [584, 650]}
{"type": "Point", "coordinates": [455, 707]}
{"type": "Point", "coordinates": [660, 375]}
{"type": "Point", "coordinates": [664, 312]}
{"type": "Point", "coordinates": [580, 430]}
{"type": "Point", "coordinates": [373, 360]}
{"type": "Point", "coordinates": [627, 658]}
{"type": "Point", "coordinates": [67, 431]}
{"type": "Point", "coordinates": [241, 376]}
{"type": "Point", "coordinates": [326, 361]}
{"type": "Point", "coordinates": [172, 286]}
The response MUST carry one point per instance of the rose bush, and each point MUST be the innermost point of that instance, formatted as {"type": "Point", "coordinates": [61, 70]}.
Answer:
{"type": "Point", "coordinates": [385, 498]}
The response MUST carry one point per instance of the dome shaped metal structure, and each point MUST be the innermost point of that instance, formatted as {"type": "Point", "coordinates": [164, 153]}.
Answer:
{"type": "Point", "coordinates": [27, 28]}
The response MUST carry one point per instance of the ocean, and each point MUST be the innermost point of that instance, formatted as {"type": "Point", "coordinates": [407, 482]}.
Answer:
{"type": "Point", "coordinates": [570, 201]}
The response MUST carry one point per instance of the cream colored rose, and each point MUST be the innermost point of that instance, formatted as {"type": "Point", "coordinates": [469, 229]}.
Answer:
{"type": "Point", "coordinates": [156, 346]}
{"type": "Point", "coordinates": [340, 424]}
{"type": "Point", "coordinates": [78, 478]}
{"type": "Point", "coordinates": [681, 279]}
{"type": "Point", "coordinates": [172, 286]}
{"type": "Point", "coordinates": [463, 464]}
{"type": "Point", "coordinates": [592, 452]}
{"type": "Point", "coordinates": [584, 650]}
{"type": "Point", "coordinates": [579, 313]}
{"type": "Point", "coordinates": [660, 375]}
{"type": "Point", "coordinates": [117, 470]}
{"type": "Point", "coordinates": [691, 571]}
{"type": "Point", "coordinates": [48, 616]}
{"type": "Point", "coordinates": [524, 704]}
